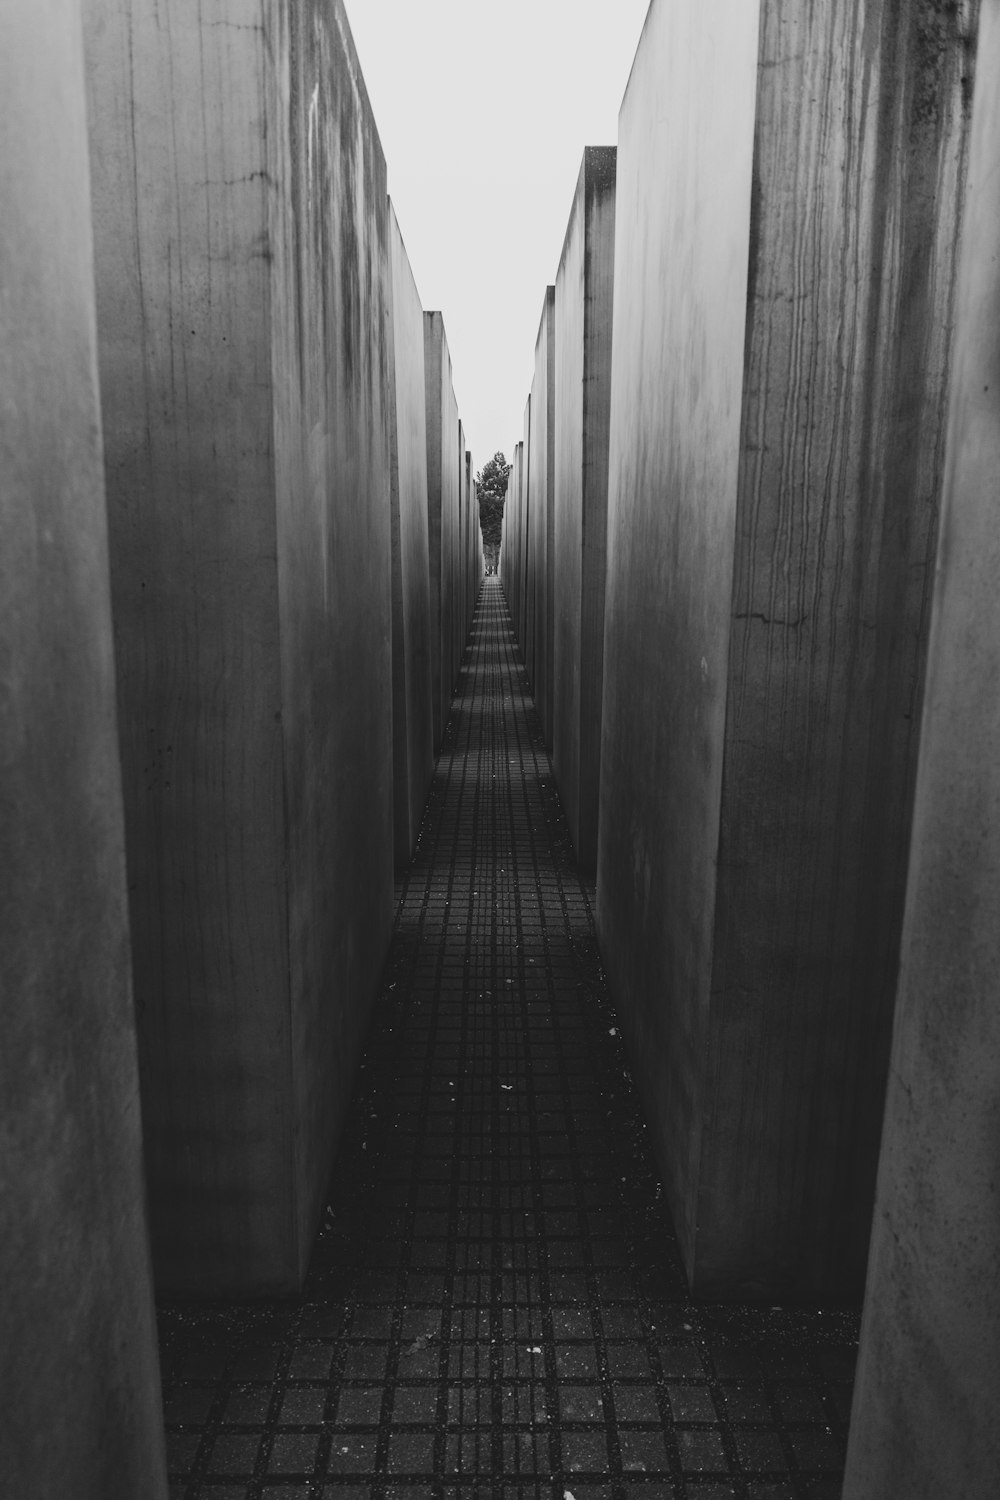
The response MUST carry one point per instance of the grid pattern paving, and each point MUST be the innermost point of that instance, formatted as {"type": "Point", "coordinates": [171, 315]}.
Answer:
{"type": "Point", "coordinates": [496, 1306]}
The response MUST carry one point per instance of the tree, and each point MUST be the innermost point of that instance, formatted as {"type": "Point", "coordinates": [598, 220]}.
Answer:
{"type": "Point", "coordinates": [491, 484]}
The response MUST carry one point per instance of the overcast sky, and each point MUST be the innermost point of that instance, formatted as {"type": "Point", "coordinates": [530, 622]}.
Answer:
{"type": "Point", "coordinates": [484, 108]}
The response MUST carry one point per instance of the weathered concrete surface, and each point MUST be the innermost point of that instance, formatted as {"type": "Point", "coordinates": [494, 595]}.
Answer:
{"type": "Point", "coordinates": [540, 545]}
{"type": "Point", "coordinates": [514, 533]}
{"type": "Point", "coordinates": [677, 368]}
{"type": "Point", "coordinates": [519, 551]}
{"type": "Point", "coordinates": [79, 1378]}
{"type": "Point", "coordinates": [461, 544]}
{"type": "Point", "coordinates": [583, 321]}
{"type": "Point", "coordinates": [242, 265]}
{"type": "Point", "coordinates": [472, 562]}
{"type": "Point", "coordinates": [442, 509]}
{"type": "Point", "coordinates": [413, 729]}
{"type": "Point", "coordinates": [767, 989]}
{"type": "Point", "coordinates": [924, 1422]}
{"type": "Point", "coordinates": [862, 118]}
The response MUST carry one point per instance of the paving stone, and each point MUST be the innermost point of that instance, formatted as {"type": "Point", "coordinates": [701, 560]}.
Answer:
{"type": "Point", "coordinates": [496, 1306]}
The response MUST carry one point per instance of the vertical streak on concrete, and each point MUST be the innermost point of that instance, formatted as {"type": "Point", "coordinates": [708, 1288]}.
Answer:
{"type": "Point", "coordinates": [583, 324]}
{"type": "Point", "coordinates": [79, 1381]}
{"type": "Point", "coordinates": [924, 1422]}
{"type": "Point", "coordinates": [859, 164]}
{"type": "Point", "coordinates": [242, 277]}
{"type": "Point", "coordinates": [413, 728]}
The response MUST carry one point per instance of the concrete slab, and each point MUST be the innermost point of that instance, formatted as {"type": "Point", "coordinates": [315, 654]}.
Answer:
{"type": "Point", "coordinates": [79, 1373]}
{"type": "Point", "coordinates": [687, 119]}
{"type": "Point", "coordinates": [512, 548]}
{"type": "Point", "coordinates": [413, 729]}
{"type": "Point", "coordinates": [519, 555]}
{"type": "Point", "coordinates": [472, 563]}
{"type": "Point", "coordinates": [242, 274]}
{"type": "Point", "coordinates": [582, 365]}
{"type": "Point", "coordinates": [924, 1417]}
{"type": "Point", "coordinates": [540, 545]}
{"type": "Point", "coordinates": [461, 542]}
{"type": "Point", "coordinates": [841, 469]}
{"type": "Point", "coordinates": [442, 509]}
{"type": "Point", "coordinates": [767, 614]}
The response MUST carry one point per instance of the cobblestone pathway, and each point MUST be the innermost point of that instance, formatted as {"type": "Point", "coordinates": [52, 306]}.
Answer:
{"type": "Point", "coordinates": [495, 1306]}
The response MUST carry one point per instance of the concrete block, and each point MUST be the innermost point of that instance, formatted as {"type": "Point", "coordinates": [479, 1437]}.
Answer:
{"type": "Point", "coordinates": [516, 562]}
{"type": "Point", "coordinates": [686, 120]}
{"type": "Point", "coordinates": [924, 1422]}
{"type": "Point", "coordinates": [836, 525]}
{"type": "Point", "coordinates": [541, 547]}
{"type": "Point", "coordinates": [79, 1376]}
{"type": "Point", "coordinates": [472, 563]}
{"type": "Point", "coordinates": [413, 729]}
{"type": "Point", "coordinates": [582, 363]}
{"type": "Point", "coordinates": [512, 549]}
{"type": "Point", "coordinates": [768, 585]}
{"type": "Point", "coordinates": [442, 509]}
{"type": "Point", "coordinates": [461, 542]}
{"type": "Point", "coordinates": [242, 282]}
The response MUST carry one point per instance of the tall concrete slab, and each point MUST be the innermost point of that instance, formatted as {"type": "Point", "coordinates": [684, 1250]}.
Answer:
{"type": "Point", "coordinates": [473, 546]}
{"type": "Point", "coordinates": [927, 1393]}
{"type": "Point", "coordinates": [79, 1377]}
{"type": "Point", "coordinates": [519, 555]}
{"type": "Point", "coordinates": [461, 539]}
{"type": "Point", "coordinates": [583, 322]}
{"type": "Point", "coordinates": [837, 509]}
{"type": "Point", "coordinates": [677, 362]}
{"type": "Point", "coordinates": [242, 282]}
{"type": "Point", "coordinates": [541, 547]}
{"type": "Point", "coordinates": [512, 549]}
{"type": "Point", "coordinates": [442, 508]}
{"type": "Point", "coordinates": [413, 729]}
{"type": "Point", "coordinates": [767, 600]}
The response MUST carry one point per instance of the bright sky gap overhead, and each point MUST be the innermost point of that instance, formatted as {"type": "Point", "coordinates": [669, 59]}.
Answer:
{"type": "Point", "coordinates": [484, 110]}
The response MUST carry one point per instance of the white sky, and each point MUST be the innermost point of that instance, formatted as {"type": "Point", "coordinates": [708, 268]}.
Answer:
{"type": "Point", "coordinates": [484, 108]}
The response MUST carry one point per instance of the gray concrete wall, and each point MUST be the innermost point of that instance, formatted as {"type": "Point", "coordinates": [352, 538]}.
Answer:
{"type": "Point", "coordinates": [330, 321]}
{"type": "Point", "coordinates": [687, 120]}
{"type": "Point", "coordinates": [768, 608]}
{"type": "Point", "coordinates": [541, 549]}
{"type": "Point", "coordinates": [861, 142]}
{"type": "Point", "coordinates": [473, 546]}
{"type": "Point", "coordinates": [442, 508]}
{"type": "Point", "coordinates": [582, 365]}
{"type": "Point", "coordinates": [512, 550]}
{"type": "Point", "coordinates": [927, 1394]}
{"type": "Point", "coordinates": [242, 268]}
{"type": "Point", "coordinates": [79, 1377]}
{"type": "Point", "coordinates": [413, 730]}
{"type": "Point", "coordinates": [461, 542]}
{"type": "Point", "coordinates": [523, 517]}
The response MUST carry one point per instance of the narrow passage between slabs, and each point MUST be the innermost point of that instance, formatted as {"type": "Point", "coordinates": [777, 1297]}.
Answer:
{"type": "Point", "coordinates": [496, 1306]}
